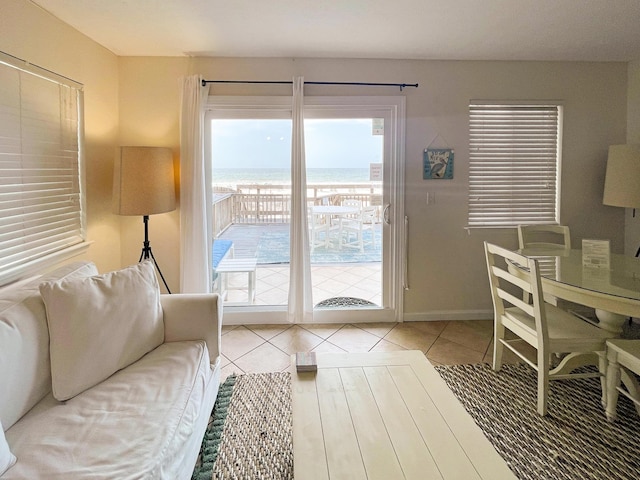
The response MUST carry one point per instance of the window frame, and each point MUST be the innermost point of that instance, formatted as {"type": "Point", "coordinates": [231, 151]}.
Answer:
{"type": "Point", "coordinates": [482, 214]}
{"type": "Point", "coordinates": [35, 262]}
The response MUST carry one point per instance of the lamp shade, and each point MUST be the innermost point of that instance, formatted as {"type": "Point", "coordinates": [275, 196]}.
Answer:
{"type": "Point", "coordinates": [143, 181]}
{"type": "Point", "coordinates": [622, 181]}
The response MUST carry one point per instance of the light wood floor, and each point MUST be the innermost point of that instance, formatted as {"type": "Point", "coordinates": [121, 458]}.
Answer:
{"type": "Point", "coordinates": [267, 348]}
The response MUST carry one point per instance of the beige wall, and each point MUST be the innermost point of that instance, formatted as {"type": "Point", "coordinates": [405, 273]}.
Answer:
{"type": "Point", "coordinates": [30, 33]}
{"type": "Point", "coordinates": [447, 274]}
{"type": "Point", "coordinates": [149, 116]}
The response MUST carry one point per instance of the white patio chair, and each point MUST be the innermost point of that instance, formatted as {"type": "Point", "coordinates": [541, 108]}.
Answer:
{"type": "Point", "coordinates": [354, 228]}
{"type": "Point", "coordinates": [355, 204]}
{"type": "Point", "coordinates": [358, 227]}
{"type": "Point", "coordinates": [319, 230]}
{"type": "Point", "coordinates": [543, 326]}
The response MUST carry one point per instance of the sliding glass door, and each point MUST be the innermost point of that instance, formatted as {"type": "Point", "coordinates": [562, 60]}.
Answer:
{"type": "Point", "coordinates": [353, 163]}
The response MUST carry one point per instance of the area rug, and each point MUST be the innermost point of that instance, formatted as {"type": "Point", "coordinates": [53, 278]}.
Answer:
{"type": "Point", "coordinates": [273, 248]}
{"type": "Point", "coordinates": [254, 439]}
{"type": "Point", "coordinates": [574, 441]}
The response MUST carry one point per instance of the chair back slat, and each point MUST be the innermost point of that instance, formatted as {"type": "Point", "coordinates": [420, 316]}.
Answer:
{"type": "Point", "coordinates": [509, 277]}
{"type": "Point", "coordinates": [516, 302]}
{"type": "Point", "coordinates": [507, 288]}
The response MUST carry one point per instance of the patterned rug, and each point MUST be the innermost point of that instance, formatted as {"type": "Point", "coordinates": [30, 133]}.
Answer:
{"type": "Point", "coordinates": [273, 248]}
{"type": "Point", "coordinates": [253, 441]}
{"type": "Point", "coordinates": [342, 302]}
{"type": "Point", "coordinates": [574, 441]}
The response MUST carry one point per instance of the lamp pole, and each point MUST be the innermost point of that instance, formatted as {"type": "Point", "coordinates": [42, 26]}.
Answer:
{"type": "Point", "coordinates": [147, 253]}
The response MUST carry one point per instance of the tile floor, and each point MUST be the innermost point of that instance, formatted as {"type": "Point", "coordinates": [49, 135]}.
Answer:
{"type": "Point", "coordinates": [267, 348]}
{"type": "Point", "coordinates": [360, 280]}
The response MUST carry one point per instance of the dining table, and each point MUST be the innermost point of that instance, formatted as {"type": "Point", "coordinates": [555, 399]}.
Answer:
{"type": "Point", "coordinates": [613, 291]}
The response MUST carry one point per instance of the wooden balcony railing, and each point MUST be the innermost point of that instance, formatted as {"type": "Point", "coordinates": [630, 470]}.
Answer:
{"type": "Point", "coordinates": [272, 203]}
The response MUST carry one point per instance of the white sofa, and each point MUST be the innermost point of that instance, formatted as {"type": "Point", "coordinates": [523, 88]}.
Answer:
{"type": "Point", "coordinates": [101, 377]}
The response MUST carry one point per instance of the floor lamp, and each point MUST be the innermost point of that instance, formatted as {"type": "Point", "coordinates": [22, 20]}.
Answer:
{"type": "Point", "coordinates": [622, 180]}
{"type": "Point", "coordinates": [144, 184]}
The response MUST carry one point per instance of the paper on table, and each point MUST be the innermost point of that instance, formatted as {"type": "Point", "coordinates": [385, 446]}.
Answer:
{"type": "Point", "coordinates": [596, 254]}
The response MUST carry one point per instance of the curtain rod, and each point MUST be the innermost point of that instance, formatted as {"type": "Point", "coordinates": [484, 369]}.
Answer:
{"type": "Point", "coordinates": [401, 85]}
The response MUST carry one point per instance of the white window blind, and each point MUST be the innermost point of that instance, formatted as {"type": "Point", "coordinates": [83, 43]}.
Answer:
{"type": "Point", "coordinates": [514, 164]}
{"type": "Point", "coordinates": [41, 208]}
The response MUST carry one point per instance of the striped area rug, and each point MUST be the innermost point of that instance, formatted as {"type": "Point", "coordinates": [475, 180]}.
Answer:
{"type": "Point", "coordinates": [254, 439]}
{"type": "Point", "coordinates": [250, 433]}
{"type": "Point", "coordinates": [573, 441]}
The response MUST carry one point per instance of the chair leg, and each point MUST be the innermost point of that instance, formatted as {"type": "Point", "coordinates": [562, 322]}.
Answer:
{"type": "Point", "coordinates": [498, 347]}
{"type": "Point", "coordinates": [602, 368]}
{"type": "Point", "coordinates": [543, 381]}
{"type": "Point", "coordinates": [613, 382]}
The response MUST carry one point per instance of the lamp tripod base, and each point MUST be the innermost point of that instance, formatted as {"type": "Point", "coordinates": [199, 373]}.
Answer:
{"type": "Point", "coordinates": [147, 253]}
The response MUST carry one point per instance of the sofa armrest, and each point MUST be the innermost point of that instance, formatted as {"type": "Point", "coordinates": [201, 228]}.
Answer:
{"type": "Point", "coordinates": [193, 317]}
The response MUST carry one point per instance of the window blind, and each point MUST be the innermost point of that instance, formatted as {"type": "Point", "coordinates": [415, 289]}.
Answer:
{"type": "Point", "coordinates": [40, 176]}
{"type": "Point", "coordinates": [514, 164]}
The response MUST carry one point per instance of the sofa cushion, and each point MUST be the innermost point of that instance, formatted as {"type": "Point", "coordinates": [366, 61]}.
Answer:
{"type": "Point", "coordinates": [133, 425]}
{"type": "Point", "coordinates": [24, 343]}
{"type": "Point", "coordinates": [100, 324]}
{"type": "Point", "coordinates": [7, 459]}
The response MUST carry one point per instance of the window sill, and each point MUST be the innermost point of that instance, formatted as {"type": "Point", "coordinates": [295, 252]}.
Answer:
{"type": "Point", "coordinates": [36, 267]}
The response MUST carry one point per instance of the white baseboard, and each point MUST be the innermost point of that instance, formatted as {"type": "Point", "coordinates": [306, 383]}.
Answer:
{"type": "Point", "coordinates": [448, 315]}
{"type": "Point", "coordinates": [279, 316]}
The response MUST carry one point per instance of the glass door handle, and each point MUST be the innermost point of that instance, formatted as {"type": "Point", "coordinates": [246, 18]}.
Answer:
{"type": "Point", "coordinates": [385, 214]}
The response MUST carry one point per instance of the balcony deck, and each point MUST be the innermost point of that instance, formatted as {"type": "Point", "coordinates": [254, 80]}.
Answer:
{"type": "Point", "coordinates": [334, 272]}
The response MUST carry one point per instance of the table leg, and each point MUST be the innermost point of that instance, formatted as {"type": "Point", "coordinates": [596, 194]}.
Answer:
{"type": "Point", "coordinates": [613, 382]}
{"type": "Point", "coordinates": [612, 322]}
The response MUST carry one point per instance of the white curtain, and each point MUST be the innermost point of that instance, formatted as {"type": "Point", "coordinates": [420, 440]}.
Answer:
{"type": "Point", "coordinates": [195, 191]}
{"type": "Point", "coordinates": [300, 307]}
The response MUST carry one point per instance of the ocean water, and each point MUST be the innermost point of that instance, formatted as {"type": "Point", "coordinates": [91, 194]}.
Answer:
{"type": "Point", "coordinates": [264, 176]}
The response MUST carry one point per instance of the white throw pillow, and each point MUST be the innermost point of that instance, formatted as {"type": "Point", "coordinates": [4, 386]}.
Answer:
{"type": "Point", "coordinates": [100, 324]}
{"type": "Point", "coordinates": [7, 459]}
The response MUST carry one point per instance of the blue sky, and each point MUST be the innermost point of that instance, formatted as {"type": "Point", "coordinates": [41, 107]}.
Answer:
{"type": "Point", "coordinates": [346, 143]}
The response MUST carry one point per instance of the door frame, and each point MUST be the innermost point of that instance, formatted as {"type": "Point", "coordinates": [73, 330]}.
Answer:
{"type": "Point", "coordinates": [392, 109]}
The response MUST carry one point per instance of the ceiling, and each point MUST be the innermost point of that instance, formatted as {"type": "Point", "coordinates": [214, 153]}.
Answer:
{"type": "Point", "coordinates": [583, 30]}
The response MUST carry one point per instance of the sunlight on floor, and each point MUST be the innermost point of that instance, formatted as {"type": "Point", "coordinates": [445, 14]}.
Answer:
{"type": "Point", "coordinates": [359, 280]}
{"type": "Point", "coordinates": [268, 348]}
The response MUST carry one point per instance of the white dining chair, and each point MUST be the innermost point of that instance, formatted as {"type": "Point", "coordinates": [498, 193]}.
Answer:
{"type": "Point", "coordinates": [543, 326]}
{"type": "Point", "coordinates": [623, 358]}
{"type": "Point", "coordinates": [544, 236]}
{"type": "Point", "coordinates": [550, 237]}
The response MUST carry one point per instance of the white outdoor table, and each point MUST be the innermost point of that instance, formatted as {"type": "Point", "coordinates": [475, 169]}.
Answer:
{"type": "Point", "coordinates": [238, 265]}
{"type": "Point", "coordinates": [338, 211]}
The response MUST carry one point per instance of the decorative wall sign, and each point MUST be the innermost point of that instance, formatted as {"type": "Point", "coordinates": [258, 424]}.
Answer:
{"type": "Point", "coordinates": [438, 163]}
